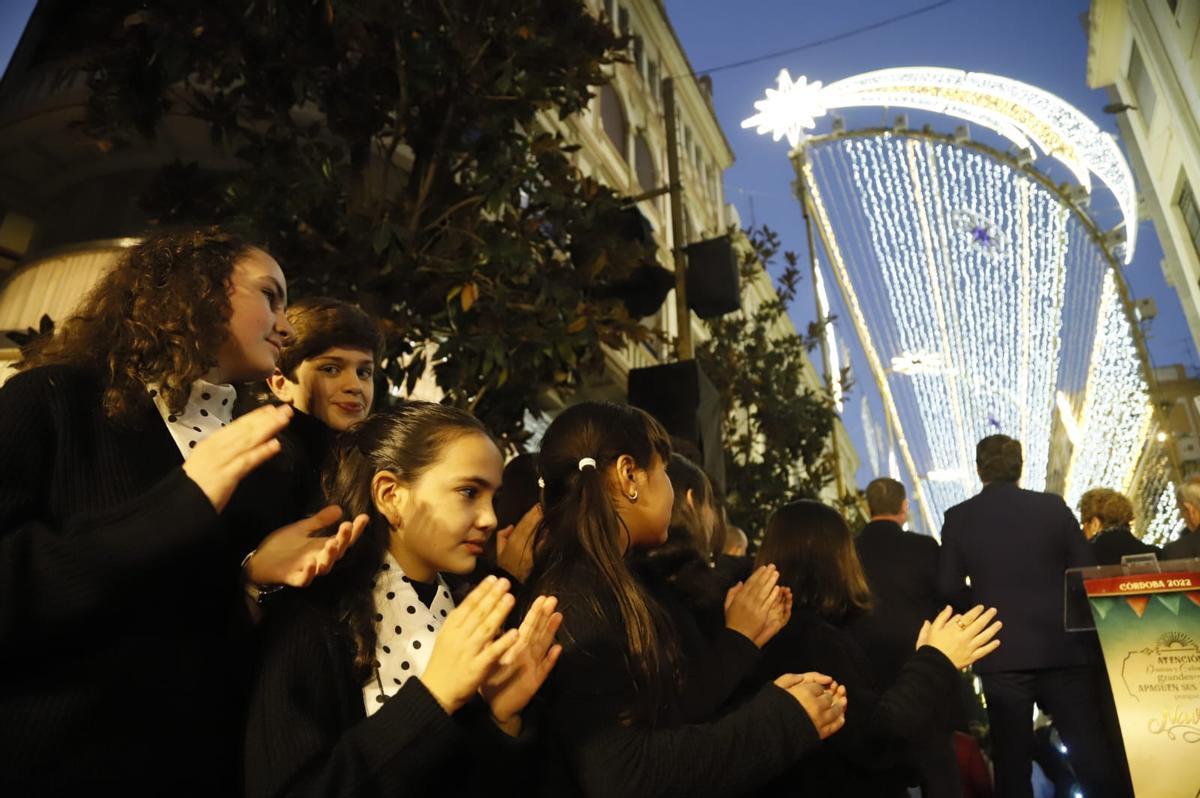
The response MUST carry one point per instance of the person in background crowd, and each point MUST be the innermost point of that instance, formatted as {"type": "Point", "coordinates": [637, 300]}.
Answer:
{"type": "Point", "coordinates": [129, 495]}
{"type": "Point", "coordinates": [614, 724]}
{"type": "Point", "coordinates": [508, 552]}
{"type": "Point", "coordinates": [1107, 516]}
{"type": "Point", "coordinates": [733, 564]}
{"type": "Point", "coordinates": [327, 369]}
{"type": "Point", "coordinates": [518, 514]}
{"type": "Point", "coordinates": [1188, 542]}
{"type": "Point", "coordinates": [370, 687]}
{"type": "Point", "coordinates": [735, 541]}
{"type": "Point", "coordinates": [326, 373]}
{"type": "Point", "coordinates": [901, 572]}
{"type": "Point", "coordinates": [720, 631]}
{"type": "Point", "coordinates": [1015, 545]}
{"type": "Point", "coordinates": [811, 546]}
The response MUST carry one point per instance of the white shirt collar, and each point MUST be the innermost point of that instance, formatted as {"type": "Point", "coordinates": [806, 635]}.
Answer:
{"type": "Point", "coordinates": [209, 407]}
{"type": "Point", "coordinates": [405, 630]}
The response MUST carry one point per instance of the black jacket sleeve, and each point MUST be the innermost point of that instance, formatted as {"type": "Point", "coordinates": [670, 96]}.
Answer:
{"type": "Point", "coordinates": [880, 725]}
{"type": "Point", "coordinates": [307, 734]}
{"type": "Point", "coordinates": [55, 577]}
{"type": "Point", "coordinates": [715, 678]}
{"type": "Point", "coordinates": [952, 569]}
{"type": "Point", "coordinates": [729, 756]}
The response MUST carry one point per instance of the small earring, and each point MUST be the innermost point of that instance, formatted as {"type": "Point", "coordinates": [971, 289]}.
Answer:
{"type": "Point", "coordinates": [633, 496]}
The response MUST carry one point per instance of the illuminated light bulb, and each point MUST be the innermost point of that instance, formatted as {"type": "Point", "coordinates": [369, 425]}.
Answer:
{"type": "Point", "coordinates": [835, 363]}
{"type": "Point", "coordinates": [911, 363]}
{"type": "Point", "coordinates": [1068, 417]}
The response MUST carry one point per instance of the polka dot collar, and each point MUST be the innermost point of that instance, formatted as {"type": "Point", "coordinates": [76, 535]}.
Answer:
{"type": "Point", "coordinates": [209, 408]}
{"type": "Point", "coordinates": [405, 630]}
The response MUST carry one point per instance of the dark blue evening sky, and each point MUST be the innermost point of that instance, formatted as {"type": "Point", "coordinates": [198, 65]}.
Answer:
{"type": "Point", "coordinates": [1042, 42]}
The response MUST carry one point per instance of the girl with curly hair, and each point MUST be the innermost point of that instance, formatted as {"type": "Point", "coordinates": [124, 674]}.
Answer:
{"type": "Point", "coordinates": [129, 496]}
{"type": "Point", "coordinates": [1107, 524]}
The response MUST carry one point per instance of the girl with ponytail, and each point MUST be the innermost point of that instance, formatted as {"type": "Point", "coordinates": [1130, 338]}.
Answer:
{"type": "Point", "coordinates": [368, 686]}
{"type": "Point", "coordinates": [615, 725]}
{"type": "Point", "coordinates": [720, 628]}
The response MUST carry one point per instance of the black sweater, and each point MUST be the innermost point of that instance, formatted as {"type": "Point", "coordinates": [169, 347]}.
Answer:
{"type": "Point", "coordinates": [123, 632]}
{"type": "Point", "coordinates": [715, 660]}
{"type": "Point", "coordinates": [308, 735]}
{"type": "Point", "coordinates": [1113, 543]}
{"type": "Point", "coordinates": [864, 757]}
{"type": "Point", "coordinates": [592, 749]}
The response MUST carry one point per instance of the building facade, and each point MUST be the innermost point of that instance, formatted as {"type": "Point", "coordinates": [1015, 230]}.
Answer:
{"type": "Point", "coordinates": [1147, 54]}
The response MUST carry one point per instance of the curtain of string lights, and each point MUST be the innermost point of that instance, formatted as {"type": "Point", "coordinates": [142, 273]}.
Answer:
{"type": "Point", "coordinates": [986, 306]}
{"type": "Point", "coordinates": [985, 299]}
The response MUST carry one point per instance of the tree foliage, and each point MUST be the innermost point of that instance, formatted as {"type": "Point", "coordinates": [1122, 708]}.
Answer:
{"type": "Point", "coordinates": [407, 154]}
{"type": "Point", "coordinates": [776, 426]}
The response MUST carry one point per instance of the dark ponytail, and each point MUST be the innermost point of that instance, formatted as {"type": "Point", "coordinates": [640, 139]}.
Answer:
{"type": "Point", "coordinates": [406, 439]}
{"type": "Point", "coordinates": [582, 542]}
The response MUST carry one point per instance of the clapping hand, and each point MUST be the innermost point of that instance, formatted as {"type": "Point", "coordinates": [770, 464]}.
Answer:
{"type": "Point", "coordinates": [964, 639]}
{"type": "Point", "coordinates": [223, 459]}
{"type": "Point", "coordinates": [291, 555]}
{"type": "Point", "coordinates": [823, 699]}
{"type": "Point", "coordinates": [759, 608]}
{"type": "Point", "coordinates": [524, 668]}
{"type": "Point", "coordinates": [466, 650]}
{"type": "Point", "coordinates": [514, 544]}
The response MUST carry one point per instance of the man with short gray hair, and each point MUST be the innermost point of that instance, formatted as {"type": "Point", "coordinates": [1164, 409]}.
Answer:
{"type": "Point", "coordinates": [1188, 542]}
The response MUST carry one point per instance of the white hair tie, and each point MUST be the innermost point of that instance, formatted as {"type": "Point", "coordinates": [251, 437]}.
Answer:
{"type": "Point", "coordinates": [584, 462]}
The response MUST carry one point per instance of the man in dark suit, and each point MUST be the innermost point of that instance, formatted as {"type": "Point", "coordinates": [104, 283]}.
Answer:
{"type": "Point", "coordinates": [1008, 548]}
{"type": "Point", "coordinates": [1188, 542]}
{"type": "Point", "coordinates": [901, 570]}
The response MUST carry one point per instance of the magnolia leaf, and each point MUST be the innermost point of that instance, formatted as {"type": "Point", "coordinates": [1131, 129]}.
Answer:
{"type": "Point", "coordinates": [470, 293]}
{"type": "Point", "coordinates": [578, 325]}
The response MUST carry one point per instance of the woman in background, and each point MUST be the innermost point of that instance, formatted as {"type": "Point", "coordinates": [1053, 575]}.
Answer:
{"type": "Point", "coordinates": [811, 546]}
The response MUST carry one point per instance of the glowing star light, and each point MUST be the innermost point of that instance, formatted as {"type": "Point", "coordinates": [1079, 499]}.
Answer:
{"type": "Point", "coordinates": [788, 110]}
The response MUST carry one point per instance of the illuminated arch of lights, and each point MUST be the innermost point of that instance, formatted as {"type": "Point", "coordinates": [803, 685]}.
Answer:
{"type": "Point", "coordinates": [985, 299]}
{"type": "Point", "coordinates": [1021, 113]}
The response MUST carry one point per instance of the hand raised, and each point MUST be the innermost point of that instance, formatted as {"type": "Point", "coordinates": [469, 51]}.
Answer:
{"type": "Point", "coordinates": [777, 617]}
{"type": "Point", "coordinates": [823, 699]}
{"type": "Point", "coordinates": [514, 544]}
{"type": "Point", "coordinates": [467, 650]}
{"type": "Point", "coordinates": [291, 555]}
{"type": "Point", "coordinates": [964, 639]}
{"type": "Point", "coordinates": [223, 459]}
{"type": "Point", "coordinates": [748, 606]}
{"type": "Point", "coordinates": [524, 668]}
